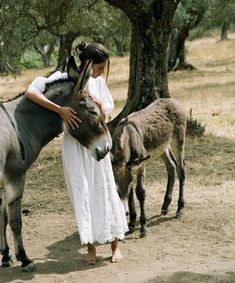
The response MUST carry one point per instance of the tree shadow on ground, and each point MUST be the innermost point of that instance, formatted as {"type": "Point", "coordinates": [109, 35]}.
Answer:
{"type": "Point", "coordinates": [186, 277]}
{"type": "Point", "coordinates": [158, 219]}
{"type": "Point", "coordinates": [154, 220]}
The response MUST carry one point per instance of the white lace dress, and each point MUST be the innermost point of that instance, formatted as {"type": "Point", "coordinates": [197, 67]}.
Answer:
{"type": "Point", "coordinates": [99, 211]}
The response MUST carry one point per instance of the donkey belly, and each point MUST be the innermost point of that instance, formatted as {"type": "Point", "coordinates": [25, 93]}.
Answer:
{"type": "Point", "coordinates": [10, 159]}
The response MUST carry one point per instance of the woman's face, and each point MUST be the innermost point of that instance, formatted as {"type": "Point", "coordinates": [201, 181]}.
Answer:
{"type": "Point", "coordinates": [98, 69]}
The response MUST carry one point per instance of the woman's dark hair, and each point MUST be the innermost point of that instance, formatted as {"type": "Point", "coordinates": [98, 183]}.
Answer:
{"type": "Point", "coordinates": [96, 52]}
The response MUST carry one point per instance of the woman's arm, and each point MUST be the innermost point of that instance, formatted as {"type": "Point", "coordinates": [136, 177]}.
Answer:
{"type": "Point", "coordinates": [66, 113]}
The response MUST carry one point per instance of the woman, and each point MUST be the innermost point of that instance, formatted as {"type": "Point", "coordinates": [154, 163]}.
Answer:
{"type": "Point", "coordinates": [99, 212]}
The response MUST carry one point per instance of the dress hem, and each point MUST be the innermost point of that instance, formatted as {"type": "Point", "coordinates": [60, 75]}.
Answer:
{"type": "Point", "coordinates": [102, 242]}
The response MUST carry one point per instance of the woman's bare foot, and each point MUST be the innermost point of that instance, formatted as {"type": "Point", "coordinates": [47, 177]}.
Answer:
{"type": "Point", "coordinates": [117, 256]}
{"type": "Point", "coordinates": [116, 253]}
{"type": "Point", "coordinates": [91, 255]}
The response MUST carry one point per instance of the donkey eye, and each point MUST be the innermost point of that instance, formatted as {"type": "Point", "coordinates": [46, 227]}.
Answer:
{"type": "Point", "coordinates": [92, 112]}
{"type": "Point", "coordinates": [82, 103]}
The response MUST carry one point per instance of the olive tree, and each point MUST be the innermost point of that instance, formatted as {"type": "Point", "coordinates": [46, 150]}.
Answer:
{"type": "Point", "coordinates": [16, 31]}
{"type": "Point", "coordinates": [189, 15]}
{"type": "Point", "coordinates": [151, 23]}
{"type": "Point", "coordinates": [221, 14]}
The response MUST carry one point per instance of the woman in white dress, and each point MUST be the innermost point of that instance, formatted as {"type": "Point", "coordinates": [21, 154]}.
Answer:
{"type": "Point", "coordinates": [99, 212]}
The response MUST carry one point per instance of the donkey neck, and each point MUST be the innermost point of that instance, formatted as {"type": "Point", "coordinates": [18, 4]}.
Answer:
{"type": "Point", "coordinates": [36, 125]}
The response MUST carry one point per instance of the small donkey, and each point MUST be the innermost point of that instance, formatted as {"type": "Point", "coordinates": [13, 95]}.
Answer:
{"type": "Point", "coordinates": [161, 127]}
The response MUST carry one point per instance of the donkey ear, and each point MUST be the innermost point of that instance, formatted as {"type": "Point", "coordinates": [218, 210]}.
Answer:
{"type": "Point", "coordinates": [72, 69]}
{"type": "Point", "coordinates": [137, 162]}
{"type": "Point", "coordinates": [83, 78]}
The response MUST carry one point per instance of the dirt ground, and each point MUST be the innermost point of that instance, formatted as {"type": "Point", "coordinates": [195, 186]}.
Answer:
{"type": "Point", "coordinates": [198, 248]}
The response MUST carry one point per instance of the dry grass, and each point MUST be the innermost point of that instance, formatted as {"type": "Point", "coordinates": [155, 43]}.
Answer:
{"type": "Point", "coordinates": [208, 91]}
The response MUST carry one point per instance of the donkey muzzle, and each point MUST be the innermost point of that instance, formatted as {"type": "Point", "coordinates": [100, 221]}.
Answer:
{"type": "Point", "coordinates": [101, 149]}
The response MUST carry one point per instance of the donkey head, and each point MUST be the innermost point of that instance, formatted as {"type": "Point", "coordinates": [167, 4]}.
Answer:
{"type": "Point", "coordinates": [92, 132]}
{"type": "Point", "coordinates": [127, 156]}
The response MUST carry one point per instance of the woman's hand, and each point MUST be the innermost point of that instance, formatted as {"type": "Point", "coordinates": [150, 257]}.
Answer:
{"type": "Point", "coordinates": [97, 101]}
{"type": "Point", "coordinates": [70, 117]}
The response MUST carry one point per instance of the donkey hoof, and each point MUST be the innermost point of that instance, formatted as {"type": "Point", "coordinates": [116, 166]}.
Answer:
{"type": "Point", "coordinates": [143, 234]}
{"type": "Point", "coordinates": [131, 230]}
{"type": "Point", "coordinates": [7, 261]}
{"type": "Point", "coordinates": [164, 212]}
{"type": "Point", "coordinates": [29, 267]}
{"type": "Point", "coordinates": [178, 214]}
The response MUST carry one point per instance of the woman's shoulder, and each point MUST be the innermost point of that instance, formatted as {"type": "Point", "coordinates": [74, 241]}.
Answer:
{"type": "Point", "coordinates": [57, 75]}
{"type": "Point", "coordinates": [97, 79]}
{"type": "Point", "coordinates": [38, 82]}
{"type": "Point", "coordinates": [96, 82]}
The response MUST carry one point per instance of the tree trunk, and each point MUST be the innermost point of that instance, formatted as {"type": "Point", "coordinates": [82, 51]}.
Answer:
{"type": "Point", "coordinates": [177, 57]}
{"type": "Point", "coordinates": [173, 50]}
{"type": "Point", "coordinates": [45, 52]}
{"type": "Point", "coordinates": [119, 46]}
{"type": "Point", "coordinates": [151, 29]}
{"type": "Point", "coordinates": [224, 31]}
{"type": "Point", "coordinates": [5, 67]}
{"type": "Point", "coordinates": [65, 48]}
{"type": "Point", "coordinates": [176, 52]}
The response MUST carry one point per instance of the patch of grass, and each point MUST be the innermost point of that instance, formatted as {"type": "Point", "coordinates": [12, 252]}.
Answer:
{"type": "Point", "coordinates": [194, 127]}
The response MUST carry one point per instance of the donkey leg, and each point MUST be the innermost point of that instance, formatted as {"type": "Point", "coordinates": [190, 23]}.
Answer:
{"type": "Point", "coordinates": [132, 211]}
{"type": "Point", "coordinates": [181, 176]}
{"type": "Point", "coordinates": [14, 192]}
{"type": "Point", "coordinates": [140, 193]}
{"type": "Point", "coordinates": [6, 257]}
{"type": "Point", "coordinates": [181, 202]}
{"type": "Point", "coordinates": [170, 167]}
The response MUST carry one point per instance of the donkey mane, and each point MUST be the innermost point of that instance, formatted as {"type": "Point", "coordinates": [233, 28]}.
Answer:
{"type": "Point", "coordinates": [48, 85]}
{"type": "Point", "coordinates": [52, 83]}
{"type": "Point", "coordinates": [13, 98]}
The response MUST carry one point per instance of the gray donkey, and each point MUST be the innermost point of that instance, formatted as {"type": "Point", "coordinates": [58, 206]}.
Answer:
{"type": "Point", "coordinates": [25, 128]}
{"type": "Point", "coordinates": [160, 127]}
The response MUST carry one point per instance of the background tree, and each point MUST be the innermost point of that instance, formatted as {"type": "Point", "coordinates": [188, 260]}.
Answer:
{"type": "Point", "coordinates": [221, 14]}
{"type": "Point", "coordinates": [60, 19]}
{"type": "Point", "coordinates": [188, 15]}
{"type": "Point", "coordinates": [113, 29]}
{"type": "Point", "coordinates": [31, 22]}
{"type": "Point", "coordinates": [15, 33]}
{"type": "Point", "coordinates": [120, 32]}
{"type": "Point", "coordinates": [70, 19]}
{"type": "Point", "coordinates": [44, 44]}
{"type": "Point", "coordinates": [151, 23]}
